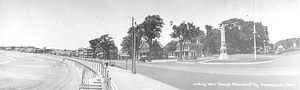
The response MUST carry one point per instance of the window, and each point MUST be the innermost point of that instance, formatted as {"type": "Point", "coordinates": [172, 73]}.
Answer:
{"type": "Point", "coordinates": [199, 41]}
{"type": "Point", "coordinates": [185, 47]}
{"type": "Point", "coordinates": [159, 52]}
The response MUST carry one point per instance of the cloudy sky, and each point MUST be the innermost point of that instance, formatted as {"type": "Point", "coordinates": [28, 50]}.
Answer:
{"type": "Point", "coordinates": [70, 24]}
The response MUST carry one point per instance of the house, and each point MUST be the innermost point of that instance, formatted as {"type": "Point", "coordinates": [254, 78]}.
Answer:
{"type": "Point", "coordinates": [2, 48]}
{"type": "Point", "coordinates": [280, 47]}
{"type": "Point", "coordinates": [191, 50]}
{"type": "Point", "coordinates": [122, 55]}
{"type": "Point", "coordinates": [17, 48]}
{"type": "Point", "coordinates": [85, 53]}
{"type": "Point", "coordinates": [48, 51]}
{"type": "Point", "coordinates": [73, 53]}
{"type": "Point", "coordinates": [9, 48]}
{"type": "Point", "coordinates": [156, 50]}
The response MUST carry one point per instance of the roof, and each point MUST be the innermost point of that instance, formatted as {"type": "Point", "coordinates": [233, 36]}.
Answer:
{"type": "Point", "coordinates": [122, 52]}
{"type": "Point", "coordinates": [280, 46]}
{"type": "Point", "coordinates": [144, 44]}
{"type": "Point", "coordinates": [160, 45]}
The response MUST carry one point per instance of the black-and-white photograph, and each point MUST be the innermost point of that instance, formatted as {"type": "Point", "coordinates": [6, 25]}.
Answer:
{"type": "Point", "coordinates": [149, 45]}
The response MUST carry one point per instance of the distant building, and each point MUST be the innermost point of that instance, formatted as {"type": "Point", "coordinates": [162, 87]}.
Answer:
{"type": "Point", "coordinates": [2, 47]}
{"type": "Point", "coordinates": [294, 45]}
{"type": "Point", "coordinates": [280, 47]}
{"type": "Point", "coordinates": [73, 53]}
{"type": "Point", "coordinates": [9, 48]}
{"type": "Point", "coordinates": [156, 51]}
{"type": "Point", "coordinates": [85, 53]}
{"type": "Point", "coordinates": [270, 46]}
{"type": "Point", "coordinates": [191, 50]}
{"type": "Point", "coordinates": [122, 55]}
{"type": "Point", "coordinates": [48, 51]}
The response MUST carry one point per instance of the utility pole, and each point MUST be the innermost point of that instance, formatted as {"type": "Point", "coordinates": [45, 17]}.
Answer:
{"type": "Point", "coordinates": [133, 56]}
{"type": "Point", "coordinates": [254, 31]}
{"type": "Point", "coordinates": [265, 47]}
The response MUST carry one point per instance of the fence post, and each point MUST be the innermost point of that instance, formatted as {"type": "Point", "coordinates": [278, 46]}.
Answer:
{"type": "Point", "coordinates": [103, 80]}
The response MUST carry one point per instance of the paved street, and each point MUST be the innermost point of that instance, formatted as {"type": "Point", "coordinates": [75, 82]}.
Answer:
{"type": "Point", "coordinates": [282, 74]}
{"type": "Point", "coordinates": [26, 71]}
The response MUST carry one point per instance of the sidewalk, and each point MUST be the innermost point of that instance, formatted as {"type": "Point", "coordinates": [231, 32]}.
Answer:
{"type": "Point", "coordinates": [125, 80]}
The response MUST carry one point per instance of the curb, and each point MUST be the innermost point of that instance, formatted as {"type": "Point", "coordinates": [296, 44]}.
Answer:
{"type": "Point", "coordinates": [249, 63]}
{"type": "Point", "coordinates": [206, 60]}
{"type": "Point", "coordinates": [114, 85]}
{"type": "Point", "coordinates": [187, 62]}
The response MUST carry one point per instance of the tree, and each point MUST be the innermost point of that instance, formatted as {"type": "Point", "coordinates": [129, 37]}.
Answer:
{"type": "Point", "coordinates": [106, 44]}
{"type": "Point", "coordinates": [209, 43]}
{"type": "Point", "coordinates": [288, 43]}
{"type": "Point", "coordinates": [93, 45]}
{"type": "Point", "coordinates": [183, 33]}
{"type": "Point", "coordinates": [113, 53]}
{"type": "Point", "coordinates": [239, 35]}
{"type": "Point", "coordinates": [170, 47]}
{"type": "Point", "coordinates": [151, 28]}
{"type": "Point", "coordinates": [212, 40]}
{"type": "Point", "coordinates": [127, 43]}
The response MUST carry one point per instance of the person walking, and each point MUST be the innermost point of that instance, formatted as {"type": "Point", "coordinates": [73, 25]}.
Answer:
{"type": "Point", "coordinates": [105, 63]}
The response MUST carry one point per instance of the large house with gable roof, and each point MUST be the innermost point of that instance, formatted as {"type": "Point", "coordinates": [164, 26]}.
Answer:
{"type": "Point", "coordinates": [156, 52]}
{"type": "Point", "coordinates": [191, 50]}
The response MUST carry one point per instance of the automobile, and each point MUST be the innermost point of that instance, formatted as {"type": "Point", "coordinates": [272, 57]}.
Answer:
{"type": "Point", "coordinates": [274, 52]}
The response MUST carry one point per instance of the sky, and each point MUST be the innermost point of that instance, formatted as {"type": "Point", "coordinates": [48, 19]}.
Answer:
{"type": "Point", "coordinates": [70, 24]}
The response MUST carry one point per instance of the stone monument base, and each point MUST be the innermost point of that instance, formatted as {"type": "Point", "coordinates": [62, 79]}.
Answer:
{"type": "Point", "coordinates": [223, 56]}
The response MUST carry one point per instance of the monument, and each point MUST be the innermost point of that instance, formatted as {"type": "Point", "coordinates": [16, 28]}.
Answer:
{"type": "Point", "coordinates": [223, 49]}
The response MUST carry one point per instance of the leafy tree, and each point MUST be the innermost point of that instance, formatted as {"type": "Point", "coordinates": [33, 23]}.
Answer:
{"type": "Point", "coordinates": [288, 43]}
{"type": "Point", "coordinates": [209, 44]}
{"type": "Point", "coordinates": [170, 47]}
{"type": "Point", "coordinates": [183, 33]}
{"type": "Point", "coordinates": [151, 28]}
{"type": "Point", "coordinates": [239, 35]}
{"type": "Point", "coordinates": [139, 33]}
{"type": "Point", "coordinates": [127, 43]}
{"type": "Point", "coordinates": [113, 53]}
{"type": "Point", "coordinates": [93, 45]}
{"type": "Point", "coordinates": [106, 44]}
{"type": "Point", "coordinates": [212, 41]}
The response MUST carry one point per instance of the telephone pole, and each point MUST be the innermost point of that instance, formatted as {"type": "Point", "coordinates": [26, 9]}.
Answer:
{"type": "Point", "coordinates": [133, 56]}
